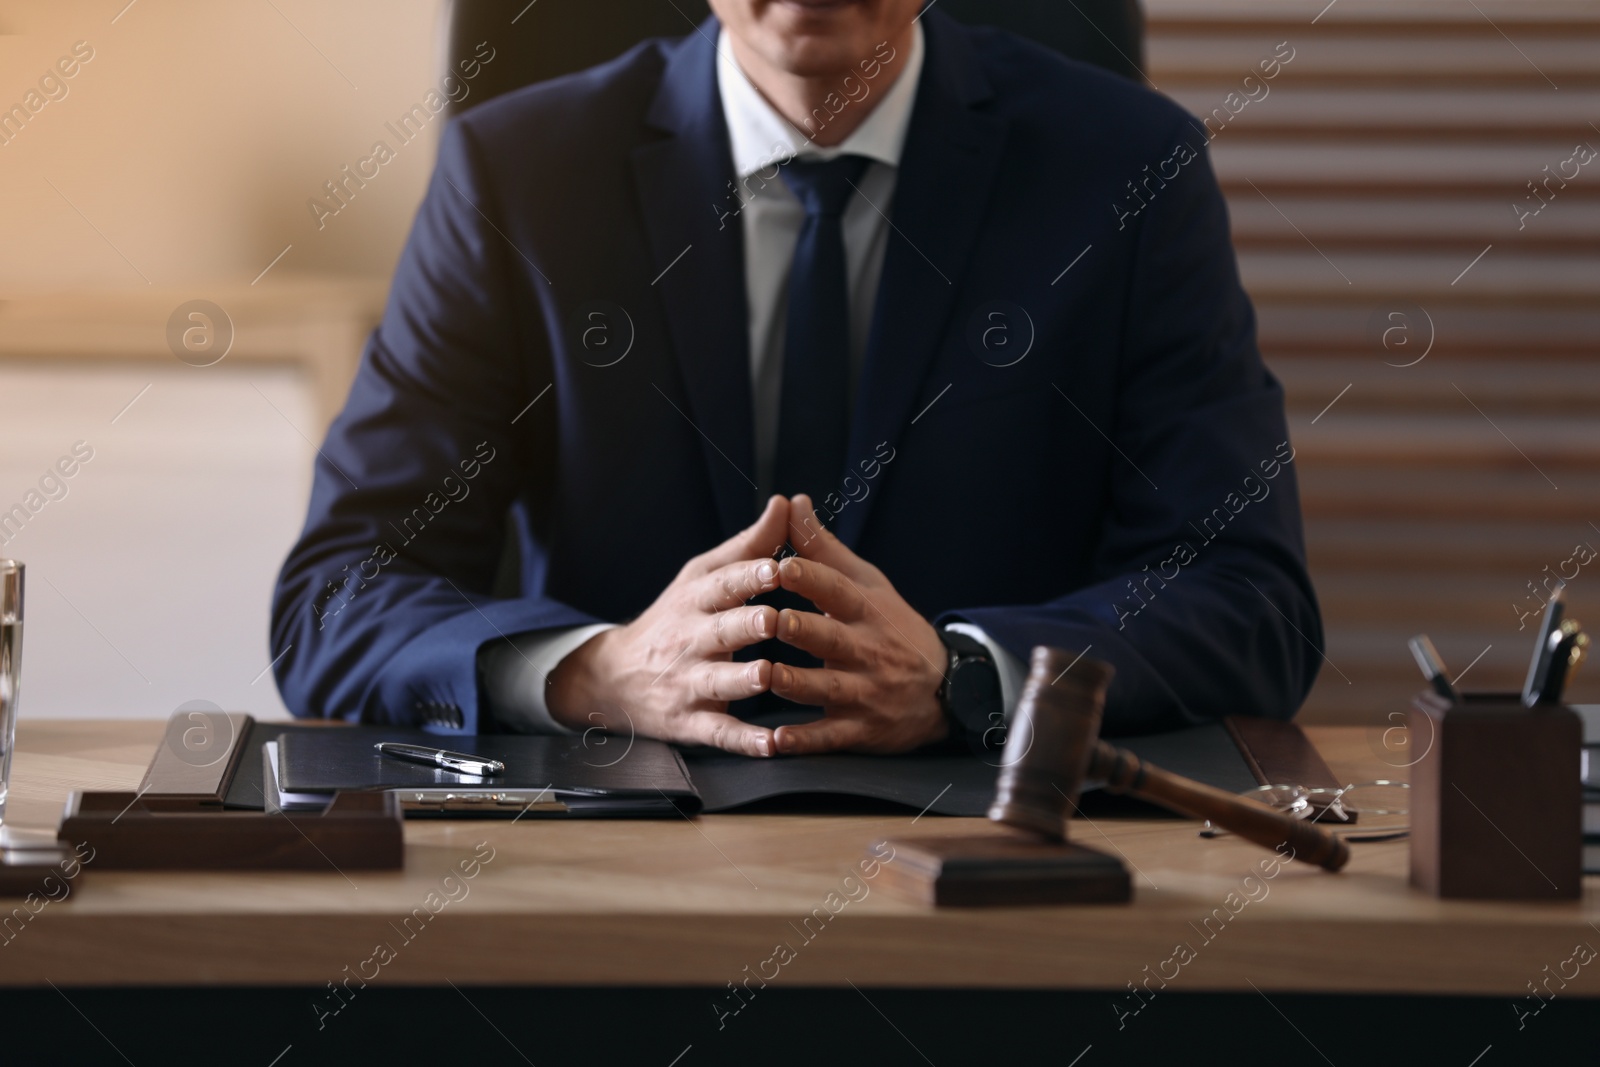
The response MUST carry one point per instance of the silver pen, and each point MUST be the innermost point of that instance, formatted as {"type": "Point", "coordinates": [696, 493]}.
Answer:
{"type": "Point", "coordinates": [459, 762]}
{"type": "Point", "coordinates": [1432, 666]}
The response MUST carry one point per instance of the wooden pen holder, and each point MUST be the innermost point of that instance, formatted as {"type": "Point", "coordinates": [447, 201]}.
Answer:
{"type": "Point", "coordinates": [1496, 798]}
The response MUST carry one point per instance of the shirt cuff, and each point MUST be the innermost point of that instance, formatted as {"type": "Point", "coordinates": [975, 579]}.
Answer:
{"type": "Point", "coordinates": [517, 671]}
{"type": "Point", "coordinates": [1012, 671]}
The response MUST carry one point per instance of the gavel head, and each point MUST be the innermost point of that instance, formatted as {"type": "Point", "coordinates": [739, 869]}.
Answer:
{"type": "Point", "coordinates": [1048, 744]}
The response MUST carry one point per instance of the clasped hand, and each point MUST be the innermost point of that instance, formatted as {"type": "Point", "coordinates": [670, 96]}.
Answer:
{"type": "Point", "coordinates": [670, 673]}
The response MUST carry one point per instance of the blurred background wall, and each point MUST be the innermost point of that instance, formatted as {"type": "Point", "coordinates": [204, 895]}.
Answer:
{"type": "Point", "coordinates": [197, 132]}
{"type": "Point", "coordinates": [176, 164]}
{"type": "Point", "coordinates": [1434, 318]}
{"type": "Point", "coordinates": [1422, 242]}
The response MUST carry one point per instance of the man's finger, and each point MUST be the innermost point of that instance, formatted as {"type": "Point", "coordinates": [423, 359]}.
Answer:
{"type": "Point", "coordinates": [818, 686]}
{"type": "Point", "coordinates": [825, 587]}
{"type": "Point", "coordinates": [720, 730]}
{"type": "Point", "coordinates": [761, 538]}
{"type": "Point", "coordinates": [813, 540]}
{"type": "Point", "coordinates": [736, 628]}
{"type": "Point", "coordinates": [828, 734]}
{"type": "Point", "coordinates": [827, 639]}
{"type": "Point", "coordinates": [719, 681]}
{"type": "Point", "coordinates": [732, 584]}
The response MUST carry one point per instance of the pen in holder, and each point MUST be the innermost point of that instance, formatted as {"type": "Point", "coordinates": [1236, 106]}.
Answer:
{"type": "Point", "coordinates": [1496, 797]}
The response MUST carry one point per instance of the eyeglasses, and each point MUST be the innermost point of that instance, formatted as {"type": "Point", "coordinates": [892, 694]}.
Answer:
{"type": "Point", "coordinates": [1363, 811]}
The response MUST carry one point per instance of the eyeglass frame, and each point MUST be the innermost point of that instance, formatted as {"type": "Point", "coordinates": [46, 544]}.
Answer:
{"type": "Point", "coordinates": [1305, 805]}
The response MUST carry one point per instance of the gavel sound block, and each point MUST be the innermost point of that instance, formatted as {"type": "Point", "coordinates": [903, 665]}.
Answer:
{"type": "Point", "coordinates": [1042, 769]}
{"type": "Point", "coordinates": [1052, 748]}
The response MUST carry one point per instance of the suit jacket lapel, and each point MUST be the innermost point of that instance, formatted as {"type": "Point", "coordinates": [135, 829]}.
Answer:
{"type": "Point", "coordinates": [698, 264]}
{"type": "Point", "coordinates": [947, 169]}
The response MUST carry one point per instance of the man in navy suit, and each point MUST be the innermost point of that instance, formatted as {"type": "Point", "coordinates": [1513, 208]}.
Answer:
{"type": "Point", "coordinates": [962, 313]}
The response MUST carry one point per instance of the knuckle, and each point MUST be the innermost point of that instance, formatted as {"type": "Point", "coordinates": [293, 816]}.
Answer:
{"type": "Point", "coordinates": [750, 578]}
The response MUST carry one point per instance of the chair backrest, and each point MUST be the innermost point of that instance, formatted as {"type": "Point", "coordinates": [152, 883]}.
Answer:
{"type": "Point", "coordinates": [549, 38]}
{"type": "Point", "coordinates": [1106, 33]}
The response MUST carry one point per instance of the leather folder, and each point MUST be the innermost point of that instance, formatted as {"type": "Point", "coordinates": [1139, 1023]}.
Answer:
{"type": "Point", "coordinates": [1234, 755]}
{"type": "Point", "coordinates": [545, 774]}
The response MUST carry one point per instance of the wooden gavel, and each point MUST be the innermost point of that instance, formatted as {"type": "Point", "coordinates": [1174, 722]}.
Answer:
{"type": "Point", "coordinates": [1053, 746]}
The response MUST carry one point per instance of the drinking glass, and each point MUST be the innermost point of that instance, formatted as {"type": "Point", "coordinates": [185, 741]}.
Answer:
{"type": "Point", "coordinates": [11, 573]}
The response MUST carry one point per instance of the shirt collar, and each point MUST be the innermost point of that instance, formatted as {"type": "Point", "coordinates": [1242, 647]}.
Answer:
{"type": "Point", "coordinates": [760, 137]}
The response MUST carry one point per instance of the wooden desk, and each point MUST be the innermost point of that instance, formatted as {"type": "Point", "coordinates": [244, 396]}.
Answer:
{"type": "Point", "coordinates": [675, 903]}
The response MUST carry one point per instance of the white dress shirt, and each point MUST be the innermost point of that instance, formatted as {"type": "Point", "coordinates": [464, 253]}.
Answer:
{"type": "Point", "coordinates": [771, 216]}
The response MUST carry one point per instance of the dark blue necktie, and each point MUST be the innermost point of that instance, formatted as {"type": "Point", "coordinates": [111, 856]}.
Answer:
{"type": "Point", "coordinates": [814, 408]}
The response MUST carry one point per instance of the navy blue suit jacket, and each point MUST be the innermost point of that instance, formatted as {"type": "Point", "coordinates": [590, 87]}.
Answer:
{"type": "Point", "coordinates": [1126, 485]}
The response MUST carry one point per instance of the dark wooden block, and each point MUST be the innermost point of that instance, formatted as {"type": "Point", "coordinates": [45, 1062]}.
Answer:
{"type": "Point", "coordinates": [1496, 799]}
{"type": "Point", "coordinates": [357, 831]}
{"type": "Point", "coordinates": [38, 871]}
{"type": "Point", "coordinates": [998, 869]}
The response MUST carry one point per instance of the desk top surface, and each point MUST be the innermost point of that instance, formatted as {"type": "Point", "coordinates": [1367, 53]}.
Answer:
{"type": "Point", "coordinates": [696, 903]}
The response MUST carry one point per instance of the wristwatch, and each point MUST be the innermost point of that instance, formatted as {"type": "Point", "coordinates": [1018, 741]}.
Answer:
{"type": "Point", "coordinates": [970, 692]}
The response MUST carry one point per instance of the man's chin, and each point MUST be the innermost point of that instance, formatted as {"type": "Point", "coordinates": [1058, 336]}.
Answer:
{"type": "Point", "coordinates": [809, 24]}
{"type": "Point", "coordinates": [820, 58]}
{"type": "Point", "coordinates": [818, 38]}
{"type": "Point", "coordinates": [812, 48]}
{"type": "Point", "coordinates": [821, 9]}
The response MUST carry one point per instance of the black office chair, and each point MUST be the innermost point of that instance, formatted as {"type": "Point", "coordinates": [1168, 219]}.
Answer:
{"type": "Point", "coordinates": [1105, 33]}
{"type": "Point", "coordinates": [553, 37]}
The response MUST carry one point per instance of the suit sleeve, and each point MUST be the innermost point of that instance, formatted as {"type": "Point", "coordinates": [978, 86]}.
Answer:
{"type": "Point", "coordinates": [1200, 597]}
{"type": "Point", "coordinates": [383, 604]}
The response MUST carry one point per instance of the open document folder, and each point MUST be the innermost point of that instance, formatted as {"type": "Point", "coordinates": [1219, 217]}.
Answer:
{"type": "Point", "coordinates": [566, 775]}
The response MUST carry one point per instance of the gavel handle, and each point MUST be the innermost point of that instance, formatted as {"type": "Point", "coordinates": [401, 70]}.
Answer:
{"type": "Point", "coordinates": [1123, 772]}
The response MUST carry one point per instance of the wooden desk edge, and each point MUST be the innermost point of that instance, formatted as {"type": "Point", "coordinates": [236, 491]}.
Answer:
{"type": "Point", "coordinates": [1463, 949]}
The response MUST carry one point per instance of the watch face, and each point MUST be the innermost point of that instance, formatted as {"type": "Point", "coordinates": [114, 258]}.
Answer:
{"type": "Point", "coordinates": [974, 686]}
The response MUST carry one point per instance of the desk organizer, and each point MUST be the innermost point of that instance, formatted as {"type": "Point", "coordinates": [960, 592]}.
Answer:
{"type": "Point", "coordinates": [357, 831]}
{"type": "Point", "coordinates": [1496, 798]}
